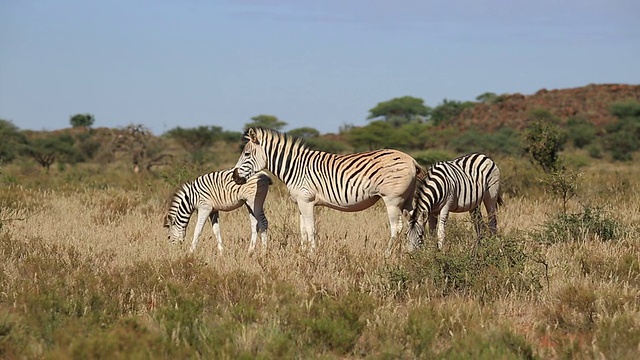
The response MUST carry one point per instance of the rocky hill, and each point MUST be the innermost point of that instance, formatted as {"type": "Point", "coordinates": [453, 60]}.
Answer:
{"type": "Point", "coordinates": [513, 110]}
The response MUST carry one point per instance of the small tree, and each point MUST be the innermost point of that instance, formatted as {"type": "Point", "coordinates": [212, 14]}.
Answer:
{"type": "Point", "coordinates": [82, 120]}
{"type": "Point", "coordinates": [623, 136]}
{"type": "Point", "coordinates": [564, 183]}
{"type": "Point", "coordinates": [487, 98]}
{"type": "Point", "coordinates": [304, 132]}
{"type": "Point", "coordinates": [266, 121]}
{"type": "Point", "coordinates": [448, 110]}
{"type": "Point", "coordinates": [196, 140]}
{"type": "Point", "coordinates": [581, 132]}
{"type": "Point", "coordinates": [376, 135]}
{"type": "Point", "coordinates": [542, 141]}
{"type": "Point", "coordinates": [11, 141]}
{"type": "Point", "coordinates": [399, 111]}
{"type": "Point", "coordinates": [137, 143]}
{"type": "Point", "coordinates": [49, 148]}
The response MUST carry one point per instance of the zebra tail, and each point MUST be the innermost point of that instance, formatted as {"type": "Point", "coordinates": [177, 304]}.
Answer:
{"type": "Point", "coordinates": [421, 172]}
{"type": "Point", "coordinates": [500, 200]}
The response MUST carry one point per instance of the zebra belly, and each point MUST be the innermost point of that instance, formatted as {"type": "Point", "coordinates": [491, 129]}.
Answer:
{"type": "Point", "coordinates": [353, 207]}
{"type": "Point", "coordinates": [228, 206]}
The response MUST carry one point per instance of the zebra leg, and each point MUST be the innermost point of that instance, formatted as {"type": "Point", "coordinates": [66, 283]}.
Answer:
{"type": "Point", "coordinates": [433, 222]}
{"type": "Point", "coordinates": [203, 213]}
{"type": "Point", "coordinates": [215, 223]}
{"type": "Point", "coordinates": [307, 224]}
{"type": "Point", "coordinates": [442, 222]}
{"type": "Point", "coordinates": [395, 225]}
{"type": "Point", "coordinates": [254, 230]}
{"type": "Point", "coordinates": [262, 226]}
{"type": "Point", "coordinates": [303, 232]}
{"type": "Point", "coordinates": [476, 218]}
{"type": "Point", "coordinates": [491, 206]}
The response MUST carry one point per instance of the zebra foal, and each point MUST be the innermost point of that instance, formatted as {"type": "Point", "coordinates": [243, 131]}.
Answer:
{"type": "Point", "coordinates": [351, 182]}
{"type": "Point", "coordinates": [459, 185]}
{"type": "Point", "coordinates": [214, 192]}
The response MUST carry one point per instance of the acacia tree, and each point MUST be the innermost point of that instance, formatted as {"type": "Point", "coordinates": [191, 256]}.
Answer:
{"type": "Point", "coordinates": [196, 140]}
{"type": "Point", "coordinates": [82, 120]}
{"type": "Point", "coordinates": [448, 110]}
{"type": "Point", "coordinates": [137, 143]}
{"type": "Point", "coordinates": [304, 132]}
{"type": "Point", "coordinates": [45, 150]}
{"type": "Point", "coordinates": [400, 111]}
{"type": "Point", "coordinates": [266, 121]}
{"type": "Point", "coordinates": [11, 141]}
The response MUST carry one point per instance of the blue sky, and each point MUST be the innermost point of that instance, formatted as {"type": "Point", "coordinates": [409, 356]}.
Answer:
{"type": "Point", "coordinates": [169, 63]}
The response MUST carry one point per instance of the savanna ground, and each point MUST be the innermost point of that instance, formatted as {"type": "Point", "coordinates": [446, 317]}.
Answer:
{"type": "Point", "coordinates": [87, 273]}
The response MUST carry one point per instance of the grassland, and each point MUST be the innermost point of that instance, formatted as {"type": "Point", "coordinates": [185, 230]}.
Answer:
{"type": "Point", "coordinates": [87, 273]}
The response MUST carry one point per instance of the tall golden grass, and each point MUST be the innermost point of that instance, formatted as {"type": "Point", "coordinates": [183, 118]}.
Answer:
{"type": "Point", "coordinates": [92, 249]}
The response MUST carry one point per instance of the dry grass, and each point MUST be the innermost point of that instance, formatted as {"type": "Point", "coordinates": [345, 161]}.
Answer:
{"type": "Point", "coordinates": [88, 272]}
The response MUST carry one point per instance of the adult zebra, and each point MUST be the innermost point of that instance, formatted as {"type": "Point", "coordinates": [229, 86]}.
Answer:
{"type": "Point", "coordinates": [459, 185]}
{"type": "Point", "coordinates": [214, 192]}
{"type": "Point", "coordinates": [351, 182]}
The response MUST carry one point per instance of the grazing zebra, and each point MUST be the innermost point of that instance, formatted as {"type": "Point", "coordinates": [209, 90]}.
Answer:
{"type": "Point", "coordinates": [459, 185]}
{"type": "Point", "coordinates": [351, 182]}
{"type": "Point", "coordinates": [214, 192]}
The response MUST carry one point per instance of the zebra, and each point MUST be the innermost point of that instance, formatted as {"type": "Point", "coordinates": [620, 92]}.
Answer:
{"type": "Point", "coordinates": [214, 192]}
{"type": "Point", "coordinates": [350, 182]}
{"type": "Point", "coordinates": [459, 185]}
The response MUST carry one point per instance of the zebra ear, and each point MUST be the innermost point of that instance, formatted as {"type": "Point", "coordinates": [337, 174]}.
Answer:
{"type": "Point", "coordinates": [252, 136]}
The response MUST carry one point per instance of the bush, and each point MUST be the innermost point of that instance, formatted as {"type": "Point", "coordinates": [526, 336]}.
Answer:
{"type": "Point", "coordinates": [581, 132]}
{"type": "Point", "coordinates": [427, 158]}
{"type": "Point", "coordinates": [496, 267]}
{"type": "Point", "coordinates": [591, 223]}
{"type": "Point", "coordinates": [595, 151]}
{"type": "Point", "coordinates": [543, 140]}
{"type": "Point", "coordinates": [505, 141]}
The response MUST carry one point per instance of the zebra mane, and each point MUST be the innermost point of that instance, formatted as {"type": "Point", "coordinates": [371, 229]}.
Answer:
{"type": "Point", "coordinates": [180, 193]}
{"type": "Point", "coordinates": [272, 135]}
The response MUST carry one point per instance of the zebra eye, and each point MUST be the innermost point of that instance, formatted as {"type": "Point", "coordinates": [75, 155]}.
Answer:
{"type": "Point", "coordinates": [247, 153]}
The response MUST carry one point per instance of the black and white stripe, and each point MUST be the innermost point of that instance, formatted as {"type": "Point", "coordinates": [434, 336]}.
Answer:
{"type": "Point", "coordinates": [350, 182]}
{"type": "Point", "coordinates": [214, 192]}
{"type": "Point", "coordinates": [459, 185]}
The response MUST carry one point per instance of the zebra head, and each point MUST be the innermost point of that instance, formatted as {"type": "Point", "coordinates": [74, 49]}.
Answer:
{"type": "Point", "coordinates": [253, 157]}
{"type": "Point", "coordinates": [415, 231]}
{"type": "Point", "coordinates": [176, 232]}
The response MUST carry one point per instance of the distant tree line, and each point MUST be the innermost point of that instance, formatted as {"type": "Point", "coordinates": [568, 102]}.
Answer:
{"type": "Point", "coordinates": [404, 123]}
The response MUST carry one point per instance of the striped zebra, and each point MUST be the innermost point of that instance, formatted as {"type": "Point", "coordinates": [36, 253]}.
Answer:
{"type": "Point", "coordinates": [351, 182]}
{"type": "Point", "coordinates": [214, 192]}
{"type": "Point", "coordinates": [459, 185]}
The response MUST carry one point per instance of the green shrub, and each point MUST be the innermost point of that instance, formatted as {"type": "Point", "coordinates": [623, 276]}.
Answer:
{"type": "Point", "coordinates": [505, 141]}
{"type": "Point", "coordinates": [573, 308]}
{"type": "Point", "coordinates": [495, 267]}
{"type": "Point", "coordinates": [595, 151]}
{"type": "Point", "coordinates": [427, 158]}
{"type": "Point", "coordinates": [543, 140]}
{"type": "Point", "coordinates": [581, 132]}
{"type": "Point", "coordinates": [618, 337]}
{"type": "Point", "coordinates": [331, 323]}
{"type": "Point", "coordinates": [591, 223]}
{"type": "Point", "coordinates": [490, 345]}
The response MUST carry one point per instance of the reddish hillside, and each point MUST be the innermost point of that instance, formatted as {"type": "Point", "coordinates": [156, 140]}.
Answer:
{"type": "Point", "coordinates": [590, 102]}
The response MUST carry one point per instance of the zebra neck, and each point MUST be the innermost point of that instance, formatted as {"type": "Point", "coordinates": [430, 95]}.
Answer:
{"type": "Point", "coordinates": [289, 162]}
{"type": "Point", "coordinates": [187, 202]}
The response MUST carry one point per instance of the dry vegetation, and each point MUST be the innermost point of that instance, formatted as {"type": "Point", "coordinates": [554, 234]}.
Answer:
{"type": "Point", "coordinates": [87, 272]}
